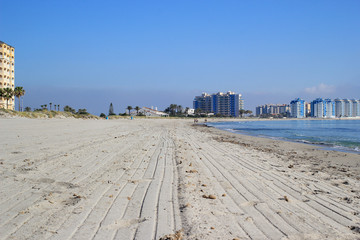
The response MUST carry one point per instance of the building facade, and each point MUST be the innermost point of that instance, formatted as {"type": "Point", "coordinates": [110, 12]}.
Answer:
{"type": "Point", "coordinates": [272, 109]}
{"type": "Point", "coordinates": [355, 108]}
{"type": "Point", "coordinates": [7, 72]}
{"type": "Point", "coordinates": [227, 104]}
{"type": "Point", "coordinates": [339, 107]}
{"type": "Point", "coordinates": [297, 108]}
{"type": "Point", "coordinates": [323, 108]}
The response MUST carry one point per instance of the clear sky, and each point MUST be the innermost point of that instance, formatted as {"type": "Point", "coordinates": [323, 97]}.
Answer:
{"type": "Point", "coordinates": [87, 54]}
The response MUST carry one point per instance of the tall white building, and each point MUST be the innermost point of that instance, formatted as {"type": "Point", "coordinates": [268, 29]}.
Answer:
{"type": "Point", "coordinates": [348, 108]}
{"type": "Point", "coordinates": [339, 108]}
{"type": "Point", "coordinates": [323, 108]}
{"type": "Point", "coordinates": [355, 108]}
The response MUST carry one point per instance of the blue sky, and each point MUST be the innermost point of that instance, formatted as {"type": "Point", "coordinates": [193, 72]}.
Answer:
{"type": "Point", "coordinates": [87, 54]}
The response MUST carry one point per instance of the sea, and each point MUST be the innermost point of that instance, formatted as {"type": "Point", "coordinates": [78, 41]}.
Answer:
{"type": "Point", "coordinates": [340, 135]}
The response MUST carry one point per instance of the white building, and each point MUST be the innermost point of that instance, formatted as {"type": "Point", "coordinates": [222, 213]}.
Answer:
{"type": "Point", "coordinates": [348, 108]}
{"type": "Point", "coordinates": [149, 112]}
{"type": "Point", "coordinates": [339, 107]}
{"type": "Point", "coordinates": [355, 108]}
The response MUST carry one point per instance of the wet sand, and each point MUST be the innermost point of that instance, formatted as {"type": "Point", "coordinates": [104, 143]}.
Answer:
{"type": "Point", "coordinates": [148, 178]}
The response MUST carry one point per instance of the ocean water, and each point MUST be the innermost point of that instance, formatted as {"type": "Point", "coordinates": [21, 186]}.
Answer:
{"type": "Point", "coordinates": [342, 135]}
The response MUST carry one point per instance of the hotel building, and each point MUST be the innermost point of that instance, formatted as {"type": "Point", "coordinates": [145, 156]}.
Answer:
{"type": "Point", "coordinates": [323, 108]}
{"type": "Point", "coordinates": [297, 108]}
{"type": "Point", "coordinates": [7, 72]}
{"type": "Point", "coordinates": [227, 104]}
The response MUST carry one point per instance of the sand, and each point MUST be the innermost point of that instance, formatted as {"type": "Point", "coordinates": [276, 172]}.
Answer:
{"type": "Point", "coordinates": [169, 179]}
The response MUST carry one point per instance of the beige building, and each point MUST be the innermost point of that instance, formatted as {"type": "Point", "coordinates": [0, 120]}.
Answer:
{"type": "Point", "coordinates": [7, 71]}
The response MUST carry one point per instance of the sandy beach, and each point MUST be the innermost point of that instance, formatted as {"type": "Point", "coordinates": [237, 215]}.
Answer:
{"type": "Point", "coordinates": [169, 179]}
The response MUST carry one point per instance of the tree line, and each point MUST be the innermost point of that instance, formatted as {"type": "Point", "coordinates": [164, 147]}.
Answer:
{"type": "Point", "coordinates": [9, 93]}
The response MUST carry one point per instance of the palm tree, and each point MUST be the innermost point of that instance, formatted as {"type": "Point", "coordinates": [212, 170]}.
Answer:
{"type": "Point", "coordinates": [173, 108]}
{"type": "Point", "coordinates": [137, 108]}
{"type": "Point", "coordinates": [129, 108]}
{"type": "Point", "coordinates": [9, 93]}
{"type": "Point", "coordinates": [18, 92]}
{"type": "Point", "coordinates": [242, 111]}
{"type": "Point", "coordinates": [50, 105]}
{"type": "Point", "coordinates": [248, 112]}
{"type": "Point", "coordinates": [179, 109]}
{"type": "Point", "coordinates": [2, 93]}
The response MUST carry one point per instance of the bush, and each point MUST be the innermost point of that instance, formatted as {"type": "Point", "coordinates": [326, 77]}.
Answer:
{"type": "Point", "coordinates": [103, 115]}
{"type": "Point", "coordinates": [82, 111]}
{"type": "Point", "coordinates": [70, 109]}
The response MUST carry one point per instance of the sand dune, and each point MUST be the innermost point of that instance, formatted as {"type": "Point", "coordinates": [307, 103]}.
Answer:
{"type": "Point", "coordinates": [145, 179]}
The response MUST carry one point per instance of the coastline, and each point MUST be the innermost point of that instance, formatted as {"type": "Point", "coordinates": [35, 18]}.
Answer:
{"type": "Point", "coordinates": [331, 146]}
{"type": "Point", "coordinates": [157, 178]}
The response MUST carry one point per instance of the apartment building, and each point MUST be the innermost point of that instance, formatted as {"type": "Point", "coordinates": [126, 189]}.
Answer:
{"type": "Point", "coordinates": [227, 104]}
{"type": "Point", "coordinates": [7, 72]}
{"type": "Point", "coordinates": [355, 108]}
{"type": "Point", "coordinates": [323, 108]}
{"type": "Point", "coordinates": [272, 109]}
{"type": "Point", "coordinates": [297, 108]}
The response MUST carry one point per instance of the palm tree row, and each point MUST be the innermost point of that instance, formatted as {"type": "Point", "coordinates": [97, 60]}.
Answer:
{"type": "Point", "coordinates": [43, 107]}
{"type": "Point", "coordinates": [9, 93]}
{"type": "Point", "coordinates": [137, 108]}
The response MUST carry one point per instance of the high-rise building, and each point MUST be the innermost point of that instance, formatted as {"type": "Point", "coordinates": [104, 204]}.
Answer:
{"type": "Point", "coordinates": [323, 108]}
{"type": "Point", "coordinates": [339, 107]}
{"type": "Point", "coordinates": [355, 108]}
{"type": "Point", "coordinates": [203, 102]}
{"type": "Point", "coordinates": [227, 104]}
{"type": "Point", "coordinates": [7, 72]}
{"type": "Point", "coordinates": [297, 108]}
{"type": "Point", "coordinates": [348, 108]}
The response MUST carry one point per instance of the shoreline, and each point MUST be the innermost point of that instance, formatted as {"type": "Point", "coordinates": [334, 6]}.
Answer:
{"type": "Point", "coordinates": [323, 145]}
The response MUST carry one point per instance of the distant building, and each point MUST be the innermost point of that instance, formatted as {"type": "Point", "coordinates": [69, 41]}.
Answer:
{"type": "Point", "coordinates": [272, 109]}
{"type": "Point", "coordinates": [297, 108]}
{"type": "Point", "coordinates": [339, 107]}
{"type": "Point", "coordinates": [203, 102]}
{"type": "Point", "coordinates": [323, 108]}
{"type": "Point", "coordinates": [348, 108]}
{"type": "Point", "coordinates": [190, 111]}
{"type": "Point", "coordinates": [150, 112]}
{"type": "Point", "coordinates": [227, 104]}
{"type": "Point", "coordinates": [7, 72]}
{"type": "Point", "coordinates": [307, 109]}
{"type": "Point", "coordinates": [355, 108]}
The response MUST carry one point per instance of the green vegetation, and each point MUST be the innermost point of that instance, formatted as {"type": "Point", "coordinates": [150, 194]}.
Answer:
{"type": "Point", "coordinates": [19, 92]}
{"type": "Point", "coordinates": [7, 93]}
{"type": "Point", "coordinates": [38, 113]}
{"type": "Point", "coordinates": [129, 108]}
{"type": "Point", "coordinates": [175, 110]}
{"type": "Point", "coordinates": [69, 109]}
{"type": "Point", "coordinates": [111, 110]}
